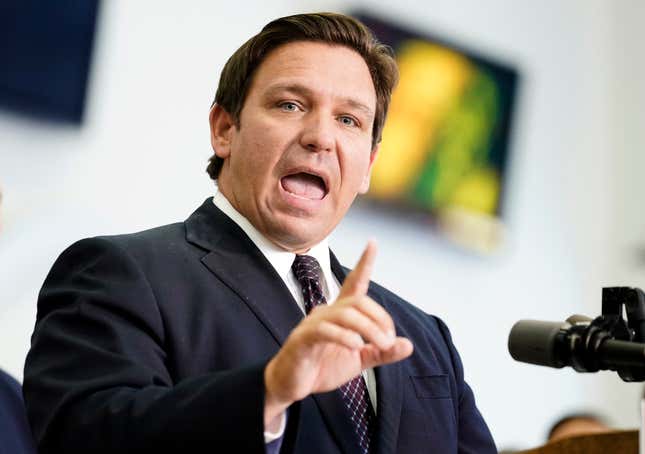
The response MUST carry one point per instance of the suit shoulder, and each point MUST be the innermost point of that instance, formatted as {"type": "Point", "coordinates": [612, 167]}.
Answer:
{"type": "Point", "coordinates": [141, 247]}
{"type": "Point", "coordinates": [150, 238]}
{"type": "Point", "coordinates": [404, 310]}
{"type": "Point", "coordinates": [136, 241]}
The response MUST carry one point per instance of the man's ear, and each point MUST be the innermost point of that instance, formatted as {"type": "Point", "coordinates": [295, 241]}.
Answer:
{"type": "Point", "coordinates": [222, 128]}
{"type": "Point", "coordinates": [365, 185]}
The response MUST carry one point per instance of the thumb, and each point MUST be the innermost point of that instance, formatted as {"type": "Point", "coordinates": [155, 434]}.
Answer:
{"type": "Point", "coordinates": [358, 280]}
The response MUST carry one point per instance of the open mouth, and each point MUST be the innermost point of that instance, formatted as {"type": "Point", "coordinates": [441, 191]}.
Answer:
{"type": "Point", "coordinates": [305, 185]}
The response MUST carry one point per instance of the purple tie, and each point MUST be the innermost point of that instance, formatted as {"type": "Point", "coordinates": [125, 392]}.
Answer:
{"type": "Point", "coordinates": [308, 272]}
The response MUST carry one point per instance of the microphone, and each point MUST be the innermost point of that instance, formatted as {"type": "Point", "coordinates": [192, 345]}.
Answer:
{"type": "Point", "coordinates": [542, 343]}
{"type": "Point", "coordinates": [608, 342]}
{"type": "Point", "coordinates": [558, 344]}
{"type": "Point", "coordinates": [539, 342]}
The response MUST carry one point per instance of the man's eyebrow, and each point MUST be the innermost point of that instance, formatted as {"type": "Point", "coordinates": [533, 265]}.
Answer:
{"type": "Point", "coordinates": [290, 87]}
{"type": "Point", "coordinates": [360, 106]}
{"type": "Point", "coordinates": [307, 92]}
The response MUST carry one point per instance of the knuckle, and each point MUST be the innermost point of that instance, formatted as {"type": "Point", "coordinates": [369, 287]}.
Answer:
{"type": "Point", "coordinates": [297, 336]}
{"type": "Point", "coordinates": [385, 318]}
{"type": "Point", "coordinates": [354, 315]}
{"type": "Point", "coordinates": [367, 302]}
{"type": "Point", "coordinates": [364, 324]}
{"type": "Point", "coordinates": [353, 338]}
{"type": "Point", "coordinates": [350, 302]}
{"type": "Point", "coordinates": [321, 328]}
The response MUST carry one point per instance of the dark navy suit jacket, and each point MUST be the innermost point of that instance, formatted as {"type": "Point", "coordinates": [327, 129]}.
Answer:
{"type": "Point", "coordinates": [15, 435]}
{"type": "Point", "coordinates": [157, 342]}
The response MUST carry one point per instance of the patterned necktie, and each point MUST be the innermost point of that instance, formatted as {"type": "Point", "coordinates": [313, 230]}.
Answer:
{"type": "Point", "coordinates": [308, 272]}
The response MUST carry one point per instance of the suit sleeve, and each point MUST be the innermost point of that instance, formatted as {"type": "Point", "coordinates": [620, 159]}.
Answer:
{"type": "Point", "coordinates": [474, 437]}
{"type": "Point", "coordinates": [96, 378]}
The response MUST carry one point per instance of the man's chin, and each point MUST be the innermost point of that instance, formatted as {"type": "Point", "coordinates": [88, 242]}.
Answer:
{"type": "Point", "coordinates": [299, 236]}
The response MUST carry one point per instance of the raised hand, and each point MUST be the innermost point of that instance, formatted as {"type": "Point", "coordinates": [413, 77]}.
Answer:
{"type": "Point", "coordinates": [333, 344]}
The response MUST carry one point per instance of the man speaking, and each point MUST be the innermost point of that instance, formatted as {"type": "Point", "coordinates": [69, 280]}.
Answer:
{"type": "Point", "coordinates": [238, 330]}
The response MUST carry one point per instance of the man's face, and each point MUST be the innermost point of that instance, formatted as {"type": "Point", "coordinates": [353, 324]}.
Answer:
{"type": "Point", "coordinates": [303, 148]}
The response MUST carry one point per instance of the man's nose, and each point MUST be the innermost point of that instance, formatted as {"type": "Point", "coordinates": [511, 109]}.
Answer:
{"type": "Point", "coordinates": [318, 132]}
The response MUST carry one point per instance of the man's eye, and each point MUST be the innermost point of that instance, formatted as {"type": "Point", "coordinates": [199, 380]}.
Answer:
{"type": "Point", "coordinates": [289, 106]}
{"type": "Point", "coordinates": [348, 121]}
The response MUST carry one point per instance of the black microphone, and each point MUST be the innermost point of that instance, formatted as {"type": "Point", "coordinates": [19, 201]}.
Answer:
{"type": "Point", "coordinates": [538, 342]}
{"type": "Point", "coordinates": [542, 343]}
{"type": "Point", "coordinates": [573, 343]}
{"type": "Point", "coordinates": [608, 342]}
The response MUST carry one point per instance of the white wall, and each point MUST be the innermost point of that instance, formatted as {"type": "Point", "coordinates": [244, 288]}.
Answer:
{"type": "Point", "coordinates": [138, 162]}
{"type": "Point", "coordinates": [626, 259]}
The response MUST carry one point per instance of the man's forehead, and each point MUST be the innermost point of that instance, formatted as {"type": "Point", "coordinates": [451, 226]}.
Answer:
{"type": "Point", "coordinates": [311, 67]}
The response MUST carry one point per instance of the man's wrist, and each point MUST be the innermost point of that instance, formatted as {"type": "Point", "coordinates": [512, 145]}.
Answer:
{"type": "Point", "coordinates": [274, 404]}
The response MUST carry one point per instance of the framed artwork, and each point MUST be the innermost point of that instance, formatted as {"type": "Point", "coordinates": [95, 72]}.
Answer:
{"type": "Point", "coordinates": [445, 146]}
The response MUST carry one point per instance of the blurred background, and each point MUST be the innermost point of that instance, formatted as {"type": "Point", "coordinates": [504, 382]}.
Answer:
{"type": "Point", "coordinates": [127, 148]}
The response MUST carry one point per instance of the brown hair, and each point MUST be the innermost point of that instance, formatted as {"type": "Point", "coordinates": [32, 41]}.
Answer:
{"type": "Point", "coordinates": [330, 28]}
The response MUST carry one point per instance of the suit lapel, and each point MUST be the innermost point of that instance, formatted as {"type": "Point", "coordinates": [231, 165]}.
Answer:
{"type": "Point", "coordinates": [389, 388]}
{"type": "Point", "coordinates": [334, 413]}
{"type": "Point", "coordinates": [238, 263]}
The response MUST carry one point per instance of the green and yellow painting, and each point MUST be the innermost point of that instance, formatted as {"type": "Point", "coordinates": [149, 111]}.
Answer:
{"type": "Point", "coordinates": [445, 143]}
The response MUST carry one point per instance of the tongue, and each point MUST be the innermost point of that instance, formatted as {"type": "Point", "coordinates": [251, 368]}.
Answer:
{"type": "Point", "coordinates": [304, 185]}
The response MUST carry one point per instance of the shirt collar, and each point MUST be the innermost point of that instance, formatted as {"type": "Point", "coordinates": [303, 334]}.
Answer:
{"type": "Point", "coordinates": [280, 259]}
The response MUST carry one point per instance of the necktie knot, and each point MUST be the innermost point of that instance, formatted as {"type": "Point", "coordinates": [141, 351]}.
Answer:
{"type": "Point", "coordinates": [306, 268]}
{"type": "Point", "coordinates": [308, 273]}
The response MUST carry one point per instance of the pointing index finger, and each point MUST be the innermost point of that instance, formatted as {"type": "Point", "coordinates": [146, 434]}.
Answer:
{"type": "Point", "coordinates": [358, 280]}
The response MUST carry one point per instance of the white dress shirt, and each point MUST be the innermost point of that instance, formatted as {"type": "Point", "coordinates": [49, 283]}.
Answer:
{"type": "Point", "coordinates": [282, 260]}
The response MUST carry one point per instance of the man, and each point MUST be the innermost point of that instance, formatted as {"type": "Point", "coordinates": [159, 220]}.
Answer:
{"type": "Point", "coordinates": [193, 337]}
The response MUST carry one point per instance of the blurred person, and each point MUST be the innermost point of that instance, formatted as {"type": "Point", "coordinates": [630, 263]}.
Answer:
{"type": "Point", "coordinates": [577, 424]}
{"type": "Point", "coordinates": [238, 330]}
